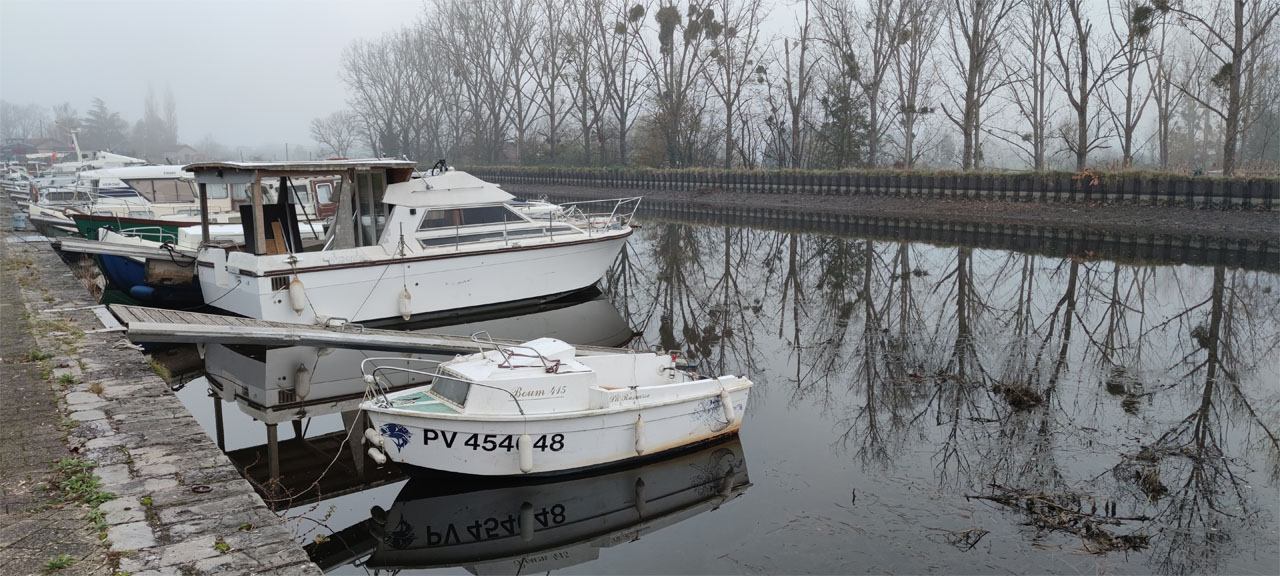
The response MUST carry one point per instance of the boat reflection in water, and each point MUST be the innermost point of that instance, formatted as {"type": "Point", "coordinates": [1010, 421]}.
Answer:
{"type": "Point", "coordinates": [495, 527]}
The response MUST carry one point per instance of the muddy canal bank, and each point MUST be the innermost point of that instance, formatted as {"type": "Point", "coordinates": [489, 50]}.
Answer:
{"type": "Point", "coordinates": [1099, 217]}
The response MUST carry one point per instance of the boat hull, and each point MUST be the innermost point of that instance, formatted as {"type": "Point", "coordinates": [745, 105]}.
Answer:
{"type": "Point", "coordinates": [560, 445]}
{"type": "Point", "coordinates": [370, 291]}
{"type": "Point", "coordinates": [130, 277]}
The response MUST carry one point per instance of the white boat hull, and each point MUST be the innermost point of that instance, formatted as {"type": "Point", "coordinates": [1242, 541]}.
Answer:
{"type": "Point", "coordinates": [372, 290]}
{"type": "Point", "coordinates": [561, 442]}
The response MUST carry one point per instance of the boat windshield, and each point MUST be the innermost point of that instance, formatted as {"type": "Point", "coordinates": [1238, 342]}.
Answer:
{"type": "Point", "coordinates": [451, 389]}
{"type": "Point", "coordinates": [455, 217]}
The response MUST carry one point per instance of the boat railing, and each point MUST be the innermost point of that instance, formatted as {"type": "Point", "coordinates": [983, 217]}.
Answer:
{"type": "Point", "coordinates": [377, 387]}
{"type": "Point", "coordinates": [152, 233]}
{"type": "Point", "coordinates": [381, 391]}
{"type": "Point", "coordinates": [508, 354]}
{"type": "Point", "coordinates": [612, 214]}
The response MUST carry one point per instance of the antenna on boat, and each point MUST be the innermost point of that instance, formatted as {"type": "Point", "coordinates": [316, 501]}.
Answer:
{"type": "Point", "coordinates": [75, 142]}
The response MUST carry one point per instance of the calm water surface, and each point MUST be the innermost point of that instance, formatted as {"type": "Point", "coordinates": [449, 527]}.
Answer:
{"type": "Point", "coordinates": [917, 409]}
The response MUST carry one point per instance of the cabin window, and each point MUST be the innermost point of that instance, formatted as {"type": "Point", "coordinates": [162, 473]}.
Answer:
{"type": "Point", "coordinates": [216, 191]}
{"type": "Point", "coordinates": [172, 191]}
{"type": "Point", "coordinates": [301, 195]}
{"type": "Point", "coordinates": [511, 235]}
{"type": "Point", "coordinates": [239, 191]}
{"type": "Point", "coordinates": [324, 192]}
{"type": "Point", "coordinates": [453, 217]}
{"type": "Point", "coordinates": [450, 389]}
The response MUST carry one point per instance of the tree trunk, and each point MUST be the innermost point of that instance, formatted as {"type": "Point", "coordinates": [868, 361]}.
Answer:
{"type": "Point", "coordinates": [1232, 130]}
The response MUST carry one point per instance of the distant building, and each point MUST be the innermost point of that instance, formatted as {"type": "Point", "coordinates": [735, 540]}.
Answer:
{"type": "Point", "coordinates": [183, 154]}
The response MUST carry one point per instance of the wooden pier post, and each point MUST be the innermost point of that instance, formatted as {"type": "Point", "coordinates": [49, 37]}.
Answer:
{"type": "Point", "coordinates": [273, 453]}
{"type": "Point", "coordinates": [219, 429]}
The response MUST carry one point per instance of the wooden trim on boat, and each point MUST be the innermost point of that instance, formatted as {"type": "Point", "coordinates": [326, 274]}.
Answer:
{"type": "Point", "coordinates": [411, 259]}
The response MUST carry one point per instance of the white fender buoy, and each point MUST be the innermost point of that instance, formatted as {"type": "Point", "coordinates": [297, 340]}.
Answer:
{"type": "Point", "coordinates": [726, 403]}
{"type": "Point", "coordinates": [641, 501]}
{"type": "Point", "coordinates": [525, 444]}
{"type": "Point", "coordinates": [406, 303]}
{"type": "Point", "coordinates": [526, 522]}
{"type": "Point", "coordinates": [297, 296]}
{"type": "Point", "coordinates": [377, 456]}
{"type": "Point", "coordinates": [372, 436]}
{"type": "Point", "coordinates": [302, 382]}
{"type": "Point", "coordinates": [639, 435]}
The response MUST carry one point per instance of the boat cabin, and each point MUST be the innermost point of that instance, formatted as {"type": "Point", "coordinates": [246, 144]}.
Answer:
{"type": "Point", "coordinates": [388, 203]}
{"type": "Point", "coordinates": [547, 375]}
{"type": "Point", "coordinates": [358, 184]}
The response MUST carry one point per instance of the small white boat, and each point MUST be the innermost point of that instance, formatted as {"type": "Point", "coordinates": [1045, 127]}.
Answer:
{"type": "Point", "coordinates": [545, 407]}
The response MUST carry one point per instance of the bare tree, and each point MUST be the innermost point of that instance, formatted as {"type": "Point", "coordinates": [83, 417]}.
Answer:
{"type": "Point", "coordinates": [19, 121]}
{"type": "Point", "coordinates": [676, 68]}
{"type": "Point", "coordinates": [1160, 67]}
{"type": "Point", "coordinates": [549, 47]}
{"type": "Point", "coordinates": [618, 59]}
{"type": "Point", "coordinates": [876, 35]}
{"type": "Point", "coordinates": [1133, 39]}
{"type": "Point", "coordinates": [517, 68]}
{"type": "Point", "coordinates": [337, 132]}
{"type": "Point", "coordinates": [1030, 72]}
{"type": "Point", "coordinates": [1228, 30]}
{"type": "Point", "coordinates": [473, 45]}
{"type": "Point", "coordinates": [375, 84]}
{"type": "Point", "coordinates": [170, 119]}
{"type": "Point", "coordinates": [1081, 75]}
{"type": "Point", "coordinates": [734, 56]}
{"type": "Point", "coordinates": [797, 81]}
{"type": "Point", "coordinates": [921, 23]}
{"type": "Point", "coordinates": [975, 33]}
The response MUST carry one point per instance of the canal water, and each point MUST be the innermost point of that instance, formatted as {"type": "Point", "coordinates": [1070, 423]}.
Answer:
{"type": "Point", "coordinates": [918, 408]}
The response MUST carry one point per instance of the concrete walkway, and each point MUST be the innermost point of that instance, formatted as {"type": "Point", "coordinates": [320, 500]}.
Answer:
{"type": "Point", "coordinates": [179, 504]}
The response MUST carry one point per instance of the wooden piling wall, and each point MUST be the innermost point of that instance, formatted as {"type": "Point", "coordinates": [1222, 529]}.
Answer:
{"type": "Point", "coordinates": [1129, 188]}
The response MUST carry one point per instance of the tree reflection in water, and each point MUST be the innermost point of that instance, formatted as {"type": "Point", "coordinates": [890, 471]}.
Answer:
{"type": "Point", "coordinates": [1143, 391]}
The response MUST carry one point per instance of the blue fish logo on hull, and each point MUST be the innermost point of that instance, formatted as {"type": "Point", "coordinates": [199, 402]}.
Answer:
{"type": "Point", "coordinates": [397, 433]}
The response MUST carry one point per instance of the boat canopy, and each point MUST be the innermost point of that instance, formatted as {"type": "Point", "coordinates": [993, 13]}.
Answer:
{"type": "Point", "coordinates": [451, 188]}
{"type": "Point", "coordinates": [140, 172]}
{"type": "Point", "coordinates": [311, 168]}
{"type": "Point", "coordinates": [360, 193]}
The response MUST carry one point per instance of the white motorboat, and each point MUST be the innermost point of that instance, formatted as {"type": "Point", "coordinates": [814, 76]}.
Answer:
{"type": "Point", "coordinates": [421, 245]}
{"type": "Point", "coordinates": [545, 407]}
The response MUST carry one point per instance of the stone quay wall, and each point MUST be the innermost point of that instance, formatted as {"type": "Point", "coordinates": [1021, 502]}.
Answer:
{"type": "Point", "coordinates": [180, 506]}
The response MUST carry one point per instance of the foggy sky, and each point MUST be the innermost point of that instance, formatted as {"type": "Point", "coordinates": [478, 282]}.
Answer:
{"type": "Point", "coordinates": [245, 72]}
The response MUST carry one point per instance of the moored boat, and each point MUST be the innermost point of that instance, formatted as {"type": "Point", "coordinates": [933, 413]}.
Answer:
{"type": "Point", "coordinates": [403, 244]}
{"type": "Point", "coordinates": [546, 407]}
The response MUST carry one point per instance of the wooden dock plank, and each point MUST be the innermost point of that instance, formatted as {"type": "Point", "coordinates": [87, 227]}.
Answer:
{"type": "Point", "coordinates": [153, 325]}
